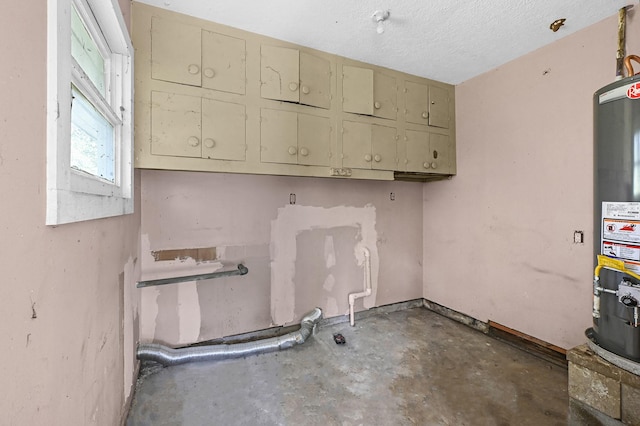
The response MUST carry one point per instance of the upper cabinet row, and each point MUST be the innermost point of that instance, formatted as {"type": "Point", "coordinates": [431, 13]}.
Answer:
{"type": "Point", "coordinates": [215, 98]}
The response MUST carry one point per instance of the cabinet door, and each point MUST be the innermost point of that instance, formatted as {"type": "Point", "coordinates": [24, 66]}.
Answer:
{"type": "Point", "coordinates": [315, 81]}
{"type": "Point", "coordinates": [278, 136]}
{"type": "Point", "coordinates": [314, 140]}
{"type": "Point", "coordinates": [440, 151]}
{"type": "Point", "coordinates": [438, 107]}
{"type": "Point", "coordinates": [416, 103]}
{"type": "Point", "coordinates": [279, 73]}
{"type": "Point", "coordinates": [383, 148]}
{"type": "Point", "coordinates": [417, 148]}
{"type": "Point", "coordinates": [356, 145]}
{"type": "Point", "coordinates": [223, 63]}
{"type": "Point", "coordinates": [175, 125]}
{"type": "Point", "coordinates": [357, 90]}
{"type": "Point", "coordinates": [385, 95]}
{"type": "Point", "coordinates": [175, 52]}
{"type": "Point", "coordinates": [223, 130]}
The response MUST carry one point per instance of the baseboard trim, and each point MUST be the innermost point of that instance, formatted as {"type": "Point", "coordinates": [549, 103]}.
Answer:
{"type": "Point", "coordinates": [456, 316]}
{"type": "Point", "coordinates": [547, 351]}
{"type": "Point", "coordinates": [530, 344]}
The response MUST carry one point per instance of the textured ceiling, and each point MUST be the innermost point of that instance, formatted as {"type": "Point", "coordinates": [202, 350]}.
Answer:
{"type": "Point", "coordinates": [445, 40]}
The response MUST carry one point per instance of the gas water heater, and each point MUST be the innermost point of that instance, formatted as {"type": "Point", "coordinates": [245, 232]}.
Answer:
{"type": "Point", "coordinates": [616, 289]}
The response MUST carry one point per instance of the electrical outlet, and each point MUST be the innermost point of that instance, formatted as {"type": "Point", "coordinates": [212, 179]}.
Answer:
{"type": "Point", "coordinates": [578, 237]}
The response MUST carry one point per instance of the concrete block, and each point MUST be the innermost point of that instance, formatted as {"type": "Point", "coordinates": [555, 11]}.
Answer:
{"type": "Point", "coordinates": [595, 389]}
{"type": "Point", "coordinates": [630, 402]}
{"type": "Point", "coordinates": [583, 356]}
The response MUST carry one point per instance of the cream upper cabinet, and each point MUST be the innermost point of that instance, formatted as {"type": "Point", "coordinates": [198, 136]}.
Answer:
{"type": "Point", "coordinates": [189, 126]}
{"type": "Point", "coordinates": [427, 152]}
{"type": "Point", "coordinates": [295, 76]}
{"type": "Point", "coordinates": [223, 130]}
{"type": "Point", "coordinates": [426, 104]}
{"type": "Point", "coordinates": [292, 138]}
{"type": "Point", "coordinates": [369, 146]}
{"type": "Point", "coordinates": [365, 91]}
{"type": "Point", "coordinates": [223, 63]}
{"type": "Point", "coordinates": [175, 125]}
{"type": "Point", "coordinates": [214, 98]}
{"type": "Point", "coordinates": [441, 151]}
{"type": "Point", "coordinates": [438, 107]}
{"type": "Point", "coordinates": [185, 54]}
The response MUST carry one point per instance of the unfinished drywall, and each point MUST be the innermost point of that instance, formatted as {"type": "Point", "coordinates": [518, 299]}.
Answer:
{"type": "Point", "coordinates": [67, 296]}
{"type": "Point", "coordinates": [498, 238]}
{"type": "Point", "coordinates": [302, 250]}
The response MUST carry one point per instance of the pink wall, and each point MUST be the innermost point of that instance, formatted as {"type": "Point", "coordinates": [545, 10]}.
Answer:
{"type": "Point", "coordinates": [299, 256]}
{"type": "Point", "coordinates": [498, 238]}
{"type": "Point", "coordinates": [66, 292]}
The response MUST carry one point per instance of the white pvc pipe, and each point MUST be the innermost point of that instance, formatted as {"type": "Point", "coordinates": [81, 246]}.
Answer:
{"type": "Point", "coordinates": [367, 286]}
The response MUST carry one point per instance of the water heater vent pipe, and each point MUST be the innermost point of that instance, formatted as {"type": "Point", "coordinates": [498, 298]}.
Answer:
{"type": "Point", "coordinates": [367, 285]}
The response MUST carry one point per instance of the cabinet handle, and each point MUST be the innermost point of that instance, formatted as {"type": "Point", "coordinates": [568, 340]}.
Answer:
{"type": "Point", "coordinates": [425, 165]}
{"type": "Point", "coordinates": [193, 141]}
{"type": "Point", "coordinates": [376, 105]}
{"type": "Point", "coordinates": [209, 143]}
{"type": "Point", "coordinates": [425, 114]}
{"type": "Point", "coordinates": [293, 150]}
{"type": "Point", "coordinates": [304, 152]}
{"type": "Point", "coordinates": [367, 158]}
{"type": "Point", "coordinates": [193, 69]}
{"type": "Point", "coordinates": [209, 72]}
{"type": "Point", "coordinates": [305, 90]}
{"type": "Point", "coordinates": [377, 158]}
{"type": "Point", "coordinates": [434, 165]}
{"type": "Point", "coordinates": [293, 86]}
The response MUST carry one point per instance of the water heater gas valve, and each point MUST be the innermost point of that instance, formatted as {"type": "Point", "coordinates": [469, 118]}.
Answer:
{"type": "Point", "coordinates": [628, 294]}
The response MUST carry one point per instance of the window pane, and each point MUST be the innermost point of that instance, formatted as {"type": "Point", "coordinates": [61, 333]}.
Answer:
{"type": "Point", "coordinates": [92, 139]}
{"type": "Point", "coordinates": [85, 51]}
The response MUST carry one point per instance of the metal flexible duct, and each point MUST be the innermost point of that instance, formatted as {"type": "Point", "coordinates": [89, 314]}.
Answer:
{"type": "Point", "coordinates": [169, 356]}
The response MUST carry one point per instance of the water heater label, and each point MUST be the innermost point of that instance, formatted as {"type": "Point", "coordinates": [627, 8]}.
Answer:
{"type": "Point", "coordinates": [620, 235]}
{"type": "Point", "coordinates": [631, 91]}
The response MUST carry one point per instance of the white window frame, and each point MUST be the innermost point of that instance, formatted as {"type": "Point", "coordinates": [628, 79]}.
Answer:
{"type": "Point", "coordinates": [72, 195]}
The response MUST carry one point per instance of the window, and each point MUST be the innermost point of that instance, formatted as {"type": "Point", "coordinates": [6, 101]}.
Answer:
{"type": "Point", "coordinates": [89, 111]}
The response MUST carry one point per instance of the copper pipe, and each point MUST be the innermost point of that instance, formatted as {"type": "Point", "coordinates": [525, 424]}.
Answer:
{"type": "Point", "coordinates": [628, 66]}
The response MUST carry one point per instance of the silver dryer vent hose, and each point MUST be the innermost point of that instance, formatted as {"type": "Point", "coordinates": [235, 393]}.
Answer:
{"type": "Point", "coordinates": [169, 356]}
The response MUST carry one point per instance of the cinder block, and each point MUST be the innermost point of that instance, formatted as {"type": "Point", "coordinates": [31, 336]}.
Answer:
{"type": "Point", "coordinates": [630, 405]}
{"type": "Point", "coordinates": [595, 390]}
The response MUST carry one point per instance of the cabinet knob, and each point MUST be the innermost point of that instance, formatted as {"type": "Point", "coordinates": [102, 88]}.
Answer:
{"type": "Point", "coordinates": [426, 165]}
{"type": "Point", "coordinates": [193, 69]}
{"type": "Point", "coordinates": [367, 158]}
{"type": "Point", "coordinates": [304, 152]}
{"type": "Point", "coordinates": [209, 72]}
{"type": "Point", "coordinates": [293, 86]}
{"type": "Point", "coordinates": [425, 114]}
{"type": "Point", "coordinates": [209, 143]}
{"type": "Point", "coordinates": [305, 90]}
{"type": "Point", "coordinates": [434, 165]}
{"type": "Point", "coordinates": [377, 158]}
{"type": "Point", "coordinates": [376, 105]}
{"type": "Point", "coordinates": [193, 141]}
{"type": "Point", "coordinates": [293, 150]}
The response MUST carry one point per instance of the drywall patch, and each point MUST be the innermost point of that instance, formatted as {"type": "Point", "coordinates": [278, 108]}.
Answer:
{"type": "Point", "coordinates": [149, 306]}
{"type": "Point", "coordinates": [329, 252]}
{"type": "Point", "coordinates": [294, 219]}
{"type": "Point", "coordinates": [329, 282]}
{"type": "Point", "coordinates": [188, 312]}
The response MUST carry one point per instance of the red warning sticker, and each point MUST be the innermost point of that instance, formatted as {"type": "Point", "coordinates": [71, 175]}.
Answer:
{"type": "Point", "coordinates": [626, 231]}
{"type": "Point", "coordinates": [633, 92]}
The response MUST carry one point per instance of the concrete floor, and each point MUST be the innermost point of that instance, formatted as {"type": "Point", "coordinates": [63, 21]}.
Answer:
{"type": "Point", "coordinates": [409, 367]}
